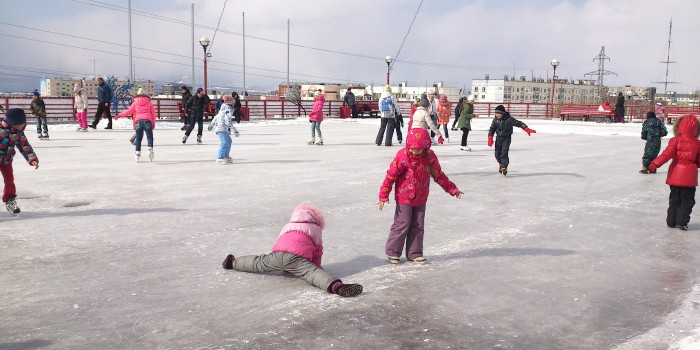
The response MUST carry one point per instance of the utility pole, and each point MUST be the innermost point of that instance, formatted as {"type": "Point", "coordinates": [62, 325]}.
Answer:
{"type": "Point", "coordinates": [131, 64]}
{"type": "Point", "coordinates": [94, 75]}
{"type": "Point", "coordinates": [287, 53]}
{"type": "Point", "coordinates": [668, 60]}
{"type": "Point", "coordinates": [244, 55]}
{"type": "Point", "coordinates": [601, 72]}
{"type": "Point", "coordinates": [193, 86]}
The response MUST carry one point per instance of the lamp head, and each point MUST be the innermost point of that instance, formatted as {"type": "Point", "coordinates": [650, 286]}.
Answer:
{"type": "Point", "coordinates": [555, 63]}
{"type": "Point", "coordinates": [388, 59]}
{"type": "Point", "coordinates": [204, 41]}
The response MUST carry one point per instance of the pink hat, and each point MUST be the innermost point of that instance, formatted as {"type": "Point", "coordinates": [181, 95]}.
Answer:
{"type": "Point", "coordinates": [308, 213]}
{"type": "Point", "coordinates": [228, 100]}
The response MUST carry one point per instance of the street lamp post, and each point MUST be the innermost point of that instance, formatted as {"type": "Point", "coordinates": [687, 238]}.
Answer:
{"type": "Point", "coordinates": [388, 60]}
{"type": "Point", "coordinates": [555, 63]}
{"type": "Point", "coordinates": [204, 41]}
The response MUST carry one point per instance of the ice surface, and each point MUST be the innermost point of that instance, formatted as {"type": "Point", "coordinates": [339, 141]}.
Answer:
{"type": "Point", "coordinates": [570, 251]}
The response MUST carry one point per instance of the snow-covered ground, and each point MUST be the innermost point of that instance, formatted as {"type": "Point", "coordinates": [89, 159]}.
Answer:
{"type": "Point", "coordinates": [570, 251]}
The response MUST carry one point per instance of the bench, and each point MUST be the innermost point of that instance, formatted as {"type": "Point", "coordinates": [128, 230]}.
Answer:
{"type": "Point", "coordinates": [586, 112]}
{"type": "Point", "coordinates": [675, 113]}
{"type": "Point", "coordinates": [370, 108]}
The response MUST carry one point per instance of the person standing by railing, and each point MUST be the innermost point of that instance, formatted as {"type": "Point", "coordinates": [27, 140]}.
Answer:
{"type": "Point", "coordinates": [237, 113]}
{"type": "Point", "coordinates": [104, 99]}
{"type": "Point", "coordinates": [349, 99]}
{"type": "Point", "coordinates": [620, 108]}
{"type": "Point", "coordinates": [39, 110]}
{"type": "Point", "coordinates": [81, 105]}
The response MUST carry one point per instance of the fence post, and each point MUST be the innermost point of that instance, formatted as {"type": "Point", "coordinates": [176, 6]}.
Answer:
{"type": "Point", "coordinates": [265, 108]}
{"type": "Point", "coordinates": [158, 109]}
{"type": "Point", "coordinates": [283, 101]}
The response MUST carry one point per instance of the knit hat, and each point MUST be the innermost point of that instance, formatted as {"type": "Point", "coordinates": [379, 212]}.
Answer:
{"type": "Point", "coordinates": [651, 115]}
{"type": "Point", "coordinates": [35, 93]}
{"type": "Point", "coordinates": [15, 116]}
{"type": "Point", "coordinates": [418, 138]}
{"type": "Point", "coordinates": [199, 90]}
{"type": "Point", "coordinates": [500, 110]}
{"type": "Point", "coordinates": [424, 102]}
{"type": "Point", "coordinates": [228, 100]}
{"type": "Point", "coordinates": [76, 88]}
{"type": "Point", "coordinates": [387, 89]}
{"type": "Point", "coordinates": [309, 214]}
{"type": "Point", "coordinates": [658, 103]}
{"type": "Point", "coordinates": [140, 91]}
{"type": "Point", "coordinates": [443, 98]}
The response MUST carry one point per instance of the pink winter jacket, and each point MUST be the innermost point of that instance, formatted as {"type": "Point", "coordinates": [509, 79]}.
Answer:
{"type": "Point", "coordinates": [412, 173]}
{"type": "Point", "coordinates": [302, 235]}
{"type": "Point", "coordinates": [316, 114]}
{"type": "Point", "coordinates": [142, 109]}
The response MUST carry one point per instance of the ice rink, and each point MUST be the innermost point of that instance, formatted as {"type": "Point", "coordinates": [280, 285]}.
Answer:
{"type": "Point", "coordinates": [569, 251]}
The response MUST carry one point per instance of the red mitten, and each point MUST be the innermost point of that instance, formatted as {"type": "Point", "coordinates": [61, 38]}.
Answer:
{"type": "Point", "coordinates": [490, 141]}
{"type": "Point", "coordinates": [440, 140]}
{"type": "Point", "coordinates": [529, 131]}
{"type": "Point", "coordinates": [652, 168]}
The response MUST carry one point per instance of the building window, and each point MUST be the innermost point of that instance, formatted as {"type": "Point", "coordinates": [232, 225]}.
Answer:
{"type": "Point", "coordinates": [483, 97]}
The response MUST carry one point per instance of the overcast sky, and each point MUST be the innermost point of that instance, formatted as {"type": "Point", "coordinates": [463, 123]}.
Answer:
{"type": "Point", "coordinates": [346, 41]}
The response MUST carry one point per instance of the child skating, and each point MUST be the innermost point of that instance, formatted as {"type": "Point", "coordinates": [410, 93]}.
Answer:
{"type": "Point", "coordinates": [11, 136]}
{"type": "Point", "coordinates": [682, 178]}
{"type": "Point", "coordinates": [316, 117]}
{"type": "Point", "coordinates": [466, 114]}
{"type": "Point", "coordinates": [144, 118]}
{"type": "Point", "coordinates": [502, 126]}
{"type": "Point", "coordinates": [652, 131]}
{"type": "Point", "coordinates": [444, 110]}
{"type": "Point", "coordinates": [298, 250]}
{"type": "Point", "coordinates": [80, 103]}
{"type": "Point", "coordinates": [222, 124]}
{"type": "Point", "coordinates": [38, 108]}
{"type": "Point", "coordinates": [411, 170]}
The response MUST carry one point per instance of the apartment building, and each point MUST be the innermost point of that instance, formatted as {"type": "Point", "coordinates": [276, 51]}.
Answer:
{"type": "Point", "coordinates": [61, 87]}
{"type": "Point", "coordinates": [511, 90]}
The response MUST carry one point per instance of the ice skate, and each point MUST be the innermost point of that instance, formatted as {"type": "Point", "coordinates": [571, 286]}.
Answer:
{"type": "Point", "coordinates": [220, 161]}
{"type": "Point", "coordinates": [319, 141]}
{"type": "Point", "coordinates": [184, 139]}
{"type": "Point", "coordinates": [46, 137]}
{"type": "Point", "coordinates": [199, 139]}
{"type": "Point", "coordinates": [682, 227]}
{"type": "Point", "coordinates": [236, 133]}
{"type": "Point", "coordinates": [465, 148]}
{"type": "Point", "coordinates": [228, 160]}
{"type": "Point", "coordinates": [394, 260]}
{"type": "Point", "coordinates": [137, 155]}
{"type": "Point", "coordinates": [313, 141]}
{"type": "Point", "coordinates": [150, 153]}
{"type": "Point", "coordinates": [446, 140]}
{"type": "Point", "coordinates": [350, 290]}
{"type": "Point", "coordinates": [504, 171]}
{"type": "Point", "coordinates": [11, 205]}
{"type": "Point", "coordinates": [419, 260]}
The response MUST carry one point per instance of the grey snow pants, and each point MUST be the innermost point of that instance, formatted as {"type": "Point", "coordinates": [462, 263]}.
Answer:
{"type": "Point", "coordinates": [285, 261]}
{"type": "Point", "coordinates": [408, 228]}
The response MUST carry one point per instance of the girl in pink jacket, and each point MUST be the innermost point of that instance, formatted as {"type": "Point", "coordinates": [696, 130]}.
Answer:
{"type": "Point", "coordinates": [298, 250]}
{"type": "Point", "coordinates": [144, 117]}
{"type": "Point", "coordinates": [316, 117]}
{"type": "Point", "coordinates": [411, 170]}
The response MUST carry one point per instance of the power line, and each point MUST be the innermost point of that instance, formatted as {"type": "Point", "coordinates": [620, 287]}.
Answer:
{"type": "Point", "coordinates": [406, 36]}
{"type": "Point", "coordinates": [217, 26]}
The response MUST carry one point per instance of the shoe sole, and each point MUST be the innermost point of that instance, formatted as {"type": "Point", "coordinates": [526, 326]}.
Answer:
{"type": "Point", "coordinates": [394, 260]}
{"type": "Point", "coordinates": [419, 261]}
{"type": "Point", "coordinates": [350, 291]}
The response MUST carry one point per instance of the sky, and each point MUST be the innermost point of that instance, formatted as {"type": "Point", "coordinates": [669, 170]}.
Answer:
{"type": "Point", "coordinates": [450, 41]}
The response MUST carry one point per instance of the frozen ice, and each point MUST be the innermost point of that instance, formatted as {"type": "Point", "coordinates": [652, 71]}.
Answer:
{"type": "Point", "coordinates": [569, 251]}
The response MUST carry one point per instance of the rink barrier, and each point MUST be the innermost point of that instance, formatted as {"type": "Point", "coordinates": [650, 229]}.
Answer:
{"type": "Point", "coordinates": [61, 108]}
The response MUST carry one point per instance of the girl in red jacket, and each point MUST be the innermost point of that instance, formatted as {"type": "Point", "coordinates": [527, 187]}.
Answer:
{"type": "Point", "coordinates": [411, 170]}
{"type": "Point", "coordinates": [682, 176]}
{"type": "Point", "coordinates": [298, 250]}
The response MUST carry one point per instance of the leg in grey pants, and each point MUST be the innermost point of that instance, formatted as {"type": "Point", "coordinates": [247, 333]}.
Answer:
{"type": "Point", "coordinates": [285, 261]}
{"type": "Point", "coordinates": [408, 227]}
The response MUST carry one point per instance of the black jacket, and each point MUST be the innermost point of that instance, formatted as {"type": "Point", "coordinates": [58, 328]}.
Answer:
{"type": "Point", "coordinates": [197, 104]}
{"type": "Point", "coordinates": [104, 93]}
{"type": "Point", "coordinates": [504, 127]}
{"type": "Point", "coordinates": [185, 99]}
{"type": "Point", "coordinates": [620, 102]}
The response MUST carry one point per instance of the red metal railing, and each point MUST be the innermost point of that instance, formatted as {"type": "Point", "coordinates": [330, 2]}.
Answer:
{"type": "Point", "coordinates": [61, 108]}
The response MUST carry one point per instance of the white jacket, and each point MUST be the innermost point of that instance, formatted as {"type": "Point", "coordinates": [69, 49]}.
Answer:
{"type": "Point", "coordinates": [80, 102]}
{"type": "Point", "coordinates": [222, 121]}
{"type": "Point", "coordinates": [421, 119]}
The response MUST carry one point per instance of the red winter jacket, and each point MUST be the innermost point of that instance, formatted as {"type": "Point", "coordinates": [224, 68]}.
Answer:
{"type": "Point", "coordinates": [412, 173]}
{"type": "Point", "coordinates": [684, 149]}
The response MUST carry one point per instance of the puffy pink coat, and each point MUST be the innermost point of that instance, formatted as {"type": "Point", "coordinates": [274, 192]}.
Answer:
{"type": "Point", "coordinates": [412, 173]}
{"type": "Point", "coordinates": [444, 109]}
{"type": "Point", "coordinates": [684, 149]}
{"type": "Point", "coordinates": [141, 109]}
{"type": "Point", "coordinates": [303, 234]}
{"type": "Point", "coordinates": [316, 114]}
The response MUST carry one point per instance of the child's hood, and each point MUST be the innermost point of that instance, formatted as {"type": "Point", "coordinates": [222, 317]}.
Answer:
{"type": "Point", "coordinates": [141, 100]}
{"type": "Point", "coordinates": [687, 125]}
{"type": "Point", "coordinates": [418, 138]}
{"type": "Point", "coordinates": [304, 213]}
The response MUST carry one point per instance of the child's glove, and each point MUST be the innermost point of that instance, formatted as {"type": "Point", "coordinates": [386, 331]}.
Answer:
{"type": "Point", "coordinates": [440, 140]}
{"type": "Point", "coordinates": [529, 131]}
{"type": "Point", "coordinates": [210, 127]}
{"type": "Point", "coordinates": [490, 141]}
{"type": "Point", "coordinates": [652, 168]}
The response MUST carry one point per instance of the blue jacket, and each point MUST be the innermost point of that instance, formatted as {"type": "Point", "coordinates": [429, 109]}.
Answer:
{"type": "Point", "coordinates": [104, 93]}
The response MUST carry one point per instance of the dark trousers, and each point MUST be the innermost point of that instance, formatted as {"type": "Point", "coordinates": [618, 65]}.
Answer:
{"type": "Point", "coordinates": [465, 135]}
{"type": "Point", "coordinates": [408, 228]}
{"type": "Point", "coordinates": [42, 125]}
{"type": "Point", "coordinates": [399, 134]}
{"type": "Point", "coordinates": [447, 133]}
{"type": "Point", "coordinates": [651, 151]}
{"type": "Point", "coordinates": [196, 117]}
{"type": "Point", "coordinates": [456, 120]}
{"type": "Point", "coordinates": [141, 127]}
{"type": "Point", "coordinates": [501, 150]}
{"type": "Point", "coordinates": [101, 108]}
{"type": "Point", "coordinates": [9, 179]}
{"type": "Point", "coordinates": [354, 111]}
{"type": "Point", "coordinates": [388, 124]}
{"type": "Point", "coordinates": [434, 118]}
{"type": "Point", "coordinates": [680, 205]}
{"type": "Point", "coordinates": [619, 114]}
